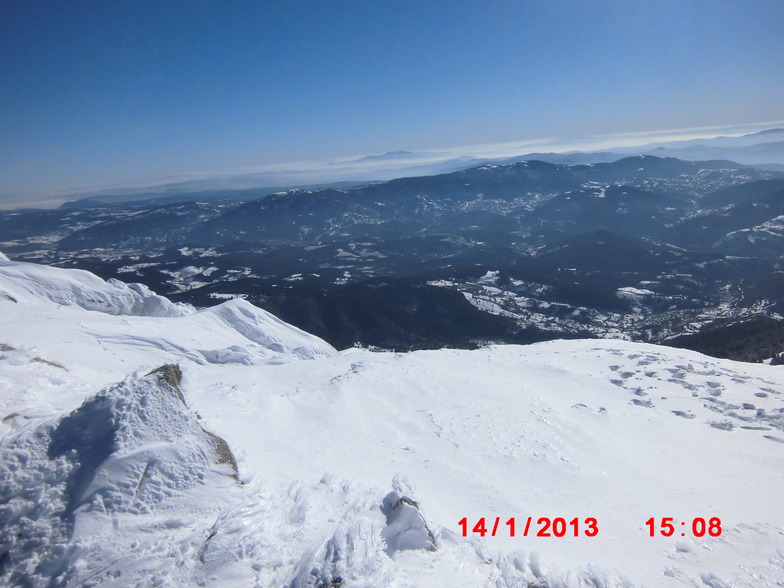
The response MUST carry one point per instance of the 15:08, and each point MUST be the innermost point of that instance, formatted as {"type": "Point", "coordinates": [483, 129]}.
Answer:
{"type": "Point", "coordinates": [698, 526]}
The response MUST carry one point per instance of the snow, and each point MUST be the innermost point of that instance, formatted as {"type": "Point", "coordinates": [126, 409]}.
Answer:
{"type": "Point", "coordinates": [78, 287]}
{"type": "Point", "coordinates": [634, 294]}
{"type": "Point", "coordinates": [490, 277]}
{"type": "Point", "coordinates": [354, 468]}
{"type": "Point", "coordinates": [105, 486]}
{"type": "Point", "coordinates": [346, 254]}
{"type": "Point", "coordinates": [135, 267]}
{"type": "Point", "coordinates": [225, 296]}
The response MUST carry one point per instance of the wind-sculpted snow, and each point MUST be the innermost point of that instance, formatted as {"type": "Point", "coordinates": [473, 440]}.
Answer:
{"type": "Point", "coordinates": [50, 310]}
{"type": "Point", "coordinates": [84, 289]}
{"type": "Point", "coordinates": [355, 468]}
{"type": "Point", "coordinates": [269, 331]}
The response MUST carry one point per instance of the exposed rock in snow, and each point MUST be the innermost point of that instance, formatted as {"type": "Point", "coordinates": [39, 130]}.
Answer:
{"type": "Point", "coordinates": [406, 529]}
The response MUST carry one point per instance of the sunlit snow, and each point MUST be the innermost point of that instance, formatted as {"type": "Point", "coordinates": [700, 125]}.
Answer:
{"type": "Point", "coordinates": [354, 468]}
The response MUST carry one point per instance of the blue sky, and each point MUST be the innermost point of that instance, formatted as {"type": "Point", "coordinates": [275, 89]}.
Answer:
{"type": "Point", "coordinates": [109, 92]}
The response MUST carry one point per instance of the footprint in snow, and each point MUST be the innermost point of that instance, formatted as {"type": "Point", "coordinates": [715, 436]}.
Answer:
{"type": "Point", "coordinates": [686, 414]}
{"type": "Point", "coordinates": [722, 425]}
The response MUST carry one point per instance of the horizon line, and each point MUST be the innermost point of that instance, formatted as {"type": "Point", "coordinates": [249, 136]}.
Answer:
{"type": "Point", "coordinates": [356, 163]}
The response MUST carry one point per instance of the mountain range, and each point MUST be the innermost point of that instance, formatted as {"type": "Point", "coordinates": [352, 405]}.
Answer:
{"type": "Point", "coordinates": [762, 149]}
{"type": "Point", "coordinates": [644, 248]}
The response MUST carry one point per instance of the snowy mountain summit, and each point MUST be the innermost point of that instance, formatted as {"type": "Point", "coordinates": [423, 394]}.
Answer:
{"type": "Point", "coordinates": [148, 443]}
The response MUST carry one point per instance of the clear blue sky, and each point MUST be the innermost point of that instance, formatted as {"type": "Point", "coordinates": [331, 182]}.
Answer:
{"type": "Point", "coordinates": [108, 91]}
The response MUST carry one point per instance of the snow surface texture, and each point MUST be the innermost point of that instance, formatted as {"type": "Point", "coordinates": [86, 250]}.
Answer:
{"type": "Point", "coordinates": [354, 468]}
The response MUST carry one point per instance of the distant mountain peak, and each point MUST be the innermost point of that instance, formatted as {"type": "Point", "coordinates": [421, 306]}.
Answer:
{"type": "Point", "coordinates": [769, 132]}
{"type": "Point", "coordinates": [392, 156]}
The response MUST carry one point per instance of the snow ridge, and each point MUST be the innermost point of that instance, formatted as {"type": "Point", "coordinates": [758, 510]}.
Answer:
{"type": "Point", "coordinates": [50, 304]}
{"type": "Point", "coordinates": [66, 287]}
{"type": "Point", "coordinates": [269, 331]}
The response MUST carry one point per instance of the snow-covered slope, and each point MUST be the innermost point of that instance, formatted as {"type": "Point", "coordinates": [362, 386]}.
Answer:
{"type": "Point", "coordinates": [109, 329]}
{"type": "Point", "coordinates": [356, 468]}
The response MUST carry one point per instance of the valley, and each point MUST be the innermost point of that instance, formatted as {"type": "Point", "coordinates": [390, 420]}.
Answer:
{"type": "Point", "coordinates": [643, 248]}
